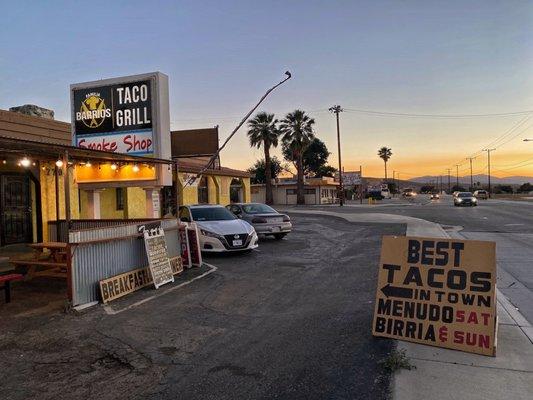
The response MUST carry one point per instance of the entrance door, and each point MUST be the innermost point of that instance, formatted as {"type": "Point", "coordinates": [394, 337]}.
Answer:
{"type": "Point", "coordinates": [15, 210]}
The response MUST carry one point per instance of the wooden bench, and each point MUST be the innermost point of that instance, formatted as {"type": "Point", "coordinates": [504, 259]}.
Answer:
{"type": "Point", "coordinates": [53, 269]}
{"type": "Point", "coordinates": [7, 279]}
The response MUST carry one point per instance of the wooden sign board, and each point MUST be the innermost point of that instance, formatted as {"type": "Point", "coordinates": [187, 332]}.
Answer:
{"type": "Point", "coordinates": [131, 281]}
{"type": "Point", "coordinates": [439, 292]}
{"type": "Point", "coordinates": [194, 245]}
{"type": "Point", "coordinates": [157, 253]}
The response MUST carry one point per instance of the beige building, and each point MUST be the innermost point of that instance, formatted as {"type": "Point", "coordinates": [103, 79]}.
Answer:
{"type": "Point", "coordinates": [316, 191]}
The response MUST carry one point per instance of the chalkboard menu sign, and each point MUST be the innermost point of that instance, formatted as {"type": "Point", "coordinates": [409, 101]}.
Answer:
{"type": "Point", "coordinates": [156, 250]}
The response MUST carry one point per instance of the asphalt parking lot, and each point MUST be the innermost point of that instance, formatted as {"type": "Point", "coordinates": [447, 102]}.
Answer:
{"type": "Point", "coordinates": [291, 320]}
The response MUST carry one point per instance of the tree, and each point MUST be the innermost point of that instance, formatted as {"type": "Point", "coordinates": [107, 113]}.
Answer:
{"type": "Point", "coordinates": [525, 188]}
{"type": "Point", "coordinates": [258, 170]}
{"type": "Point", "coordinates": [263, 131]}
{"type": "Point", "coordinates": [503, 189]}
{"type": "Point", "coordinates": [325, 170]}
{"type": "Point", "coordinates": [297, 131]}
{"type": "Point", "coordinates": [456, 188]}
{"type": "Point", "coordinates": [385, 154]}
{"type": "Point", "coordinates": [314, 158]}
{"type": "Point", "coordinates": [427, 189]}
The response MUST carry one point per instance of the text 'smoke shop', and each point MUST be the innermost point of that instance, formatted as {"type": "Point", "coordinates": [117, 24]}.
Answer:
{"type": "Point", "coordinates": [439, 292]}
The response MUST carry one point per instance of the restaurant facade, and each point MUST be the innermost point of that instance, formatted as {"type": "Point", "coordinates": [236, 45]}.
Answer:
{"type": "Point", "coordinates": [81, 193]}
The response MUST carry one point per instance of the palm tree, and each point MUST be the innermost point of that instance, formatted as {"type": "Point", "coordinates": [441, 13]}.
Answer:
{"type": "Point", "coordinates": [297, 131]}
{"type": "Point", "coordinates": [385, 154]}
{"type": "Point", "coordinates": [263, 131]}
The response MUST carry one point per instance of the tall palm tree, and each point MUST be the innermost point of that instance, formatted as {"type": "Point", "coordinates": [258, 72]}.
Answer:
{"type": "Point", "coordinates": [297, 131]}
{"type": "Point", "coordinates": [263, 131]}
{"type": "Point", "coordinates": [385, 154]}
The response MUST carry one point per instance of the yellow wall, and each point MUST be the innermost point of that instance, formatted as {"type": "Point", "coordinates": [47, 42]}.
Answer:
{"type": "Point", "coordinates": [135, 203]}
{"type": "Point", "coordinates": [48, 197]}
{"type": "Point", "coordinates": [108, 205]}
{"type": "Point", "coordinates": [218, 187]}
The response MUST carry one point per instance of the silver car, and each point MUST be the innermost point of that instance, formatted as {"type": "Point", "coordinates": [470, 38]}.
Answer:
{"type": "Point", "coordinates": [263, 218]}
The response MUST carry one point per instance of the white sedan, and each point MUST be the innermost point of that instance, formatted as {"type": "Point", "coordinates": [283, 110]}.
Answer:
{"type": "Point", "coordinates": [219, 229]}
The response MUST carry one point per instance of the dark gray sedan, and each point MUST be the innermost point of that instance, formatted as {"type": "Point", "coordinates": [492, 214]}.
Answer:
{"type": "Point", "coordinates": [263, 218]}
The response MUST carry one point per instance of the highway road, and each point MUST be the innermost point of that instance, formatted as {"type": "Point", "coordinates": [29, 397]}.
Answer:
{"type": "Point", "coordinates": [508, 223]}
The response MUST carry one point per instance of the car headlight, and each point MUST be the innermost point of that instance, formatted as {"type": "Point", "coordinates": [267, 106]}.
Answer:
{"type": "Point", "coordinates": [459, 200]}
{"type": "Point", "coordinates": [210, 234]}
{"type": "Point", "coordinates": [474, 199]}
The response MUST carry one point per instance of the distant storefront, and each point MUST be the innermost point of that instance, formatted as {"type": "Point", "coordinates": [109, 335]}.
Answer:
{"type": "Point", "coordinates": [316, 191]}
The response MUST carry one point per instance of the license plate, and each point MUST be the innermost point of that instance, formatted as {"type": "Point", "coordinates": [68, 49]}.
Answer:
{"type": "Point", "coordinates": [237, 242]}
{"type": "Point", "coordinates": [275, 229]}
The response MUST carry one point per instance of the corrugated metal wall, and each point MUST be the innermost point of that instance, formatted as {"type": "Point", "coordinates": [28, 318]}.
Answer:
{"type": "Point", "coordinates": [97, 260]}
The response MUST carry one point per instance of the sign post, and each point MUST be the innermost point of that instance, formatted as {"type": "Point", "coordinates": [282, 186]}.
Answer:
{"type": "Point", "coordinates": [439, 292]}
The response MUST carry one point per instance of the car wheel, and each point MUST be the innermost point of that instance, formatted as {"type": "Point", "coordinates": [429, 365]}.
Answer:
{"type": "Point", "coordinates": [279, 236]}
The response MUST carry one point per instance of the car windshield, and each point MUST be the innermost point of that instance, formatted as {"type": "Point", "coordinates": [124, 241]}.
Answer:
{"type": "Point", "coordinates": [464, 194]}
{"type": "Point", "coordinates": [211, 214]}
{"type": "Point", "coordinates": [258, 209]}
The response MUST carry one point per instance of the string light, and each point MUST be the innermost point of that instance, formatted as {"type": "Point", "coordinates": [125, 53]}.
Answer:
{"type": "Point", "coordinates": [135, 168]}
{"type": "Point", "coordinates": [25, 162]}
{"type": "Point", "coordinates": [88, 164]}
{"type": "Point", "coordinates": [113, 166]}
{"type": "Point", "coordinates": [59, 163]}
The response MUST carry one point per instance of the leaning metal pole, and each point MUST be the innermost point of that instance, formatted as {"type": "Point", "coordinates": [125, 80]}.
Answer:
{"type": "Point", "coordinates": [214, 156]}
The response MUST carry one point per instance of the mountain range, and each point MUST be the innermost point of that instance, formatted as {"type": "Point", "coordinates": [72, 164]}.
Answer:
{"type": "Point", "coordinates": [482, 178]}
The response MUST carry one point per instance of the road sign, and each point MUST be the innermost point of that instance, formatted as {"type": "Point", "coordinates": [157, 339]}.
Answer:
{"type": "Point", "coordinates": [439, 292]}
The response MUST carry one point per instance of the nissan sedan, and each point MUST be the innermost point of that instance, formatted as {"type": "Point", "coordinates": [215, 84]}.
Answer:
{"type": "Point", "coordinates": [263, 218]}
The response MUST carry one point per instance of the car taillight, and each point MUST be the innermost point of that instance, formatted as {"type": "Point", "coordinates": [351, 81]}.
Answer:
{"type": "Point", "coordinates": [286, 218]}
{"type": "Point", "coordinates": [259, 220]}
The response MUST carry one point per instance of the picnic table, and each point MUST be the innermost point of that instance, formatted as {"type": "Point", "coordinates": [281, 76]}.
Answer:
{"type": "Point", "coordinates": [50, 260]}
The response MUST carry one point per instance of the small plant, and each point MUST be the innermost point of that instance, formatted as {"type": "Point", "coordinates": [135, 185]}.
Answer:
{"type": "Point", "coordinates": [397, 360]}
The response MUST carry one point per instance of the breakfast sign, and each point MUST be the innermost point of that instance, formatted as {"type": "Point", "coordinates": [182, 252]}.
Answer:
{"type": "Point", "coordinates": [439, 292]}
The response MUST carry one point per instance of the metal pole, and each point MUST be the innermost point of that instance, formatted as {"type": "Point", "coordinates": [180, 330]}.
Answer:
{"type": "Point", "coordinates": [457, 174]}
{"type": "Point", "coordinates": [361, 184]}
{"type": "Point", "coordinates": [449, 181]}
{"type": "Point", "coordinates": [471, 177]}
{"type": "Point", "coordinates": [56, 180]}
{"type": "Point", "coordinates": [66, 187]}
{"type": "Point", "coordinates": [488, 159]}
{"type": "Point", "coordinates": [336, 110]}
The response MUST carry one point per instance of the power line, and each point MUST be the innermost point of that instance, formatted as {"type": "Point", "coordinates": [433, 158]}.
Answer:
{"type": "Point", "coordinates": [399, 114]}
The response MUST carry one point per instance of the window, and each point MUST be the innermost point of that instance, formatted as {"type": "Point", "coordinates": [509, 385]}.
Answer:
{"type": "Point", "coordinates": [184, 213]}
{"type": "Point", "coordinates": [211, 214]}
{"type": "Point", "coordinates": [291, 191]}
{"type": "Point", "coordinates": [119, 198]}
{"type": "Point", "coordinates": [309, 191]}
{"type": "Point", "coordinates": [203, 194]}
{"type": "Point", "coordinates": [257, 208]}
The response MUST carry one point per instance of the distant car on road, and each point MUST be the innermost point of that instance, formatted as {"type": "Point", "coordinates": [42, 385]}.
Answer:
{"type": "Point", "coordinates": [481, 194]}
{"type": "Point", "coordinates": [464, 199]}
{"type": "Point", "coordinates": [219, 230]}
{"type": "Point", "coordinates": [375, 194]}
{"type": "Point", "coordinates": [386, 193]}
{"type": "Point", "coordinates": [263, 218]}
{"type": "Point", "coordinates": [434, 196]}
{"type": "Point", "coordinates": [408, 192]}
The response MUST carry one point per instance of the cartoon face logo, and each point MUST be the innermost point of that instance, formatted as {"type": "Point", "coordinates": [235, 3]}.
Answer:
{"type": "Point", "coordinates": [93, 111]}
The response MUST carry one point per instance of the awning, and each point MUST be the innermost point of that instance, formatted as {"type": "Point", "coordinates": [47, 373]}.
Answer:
{"type": "Point", "coordinates": [51, 152]}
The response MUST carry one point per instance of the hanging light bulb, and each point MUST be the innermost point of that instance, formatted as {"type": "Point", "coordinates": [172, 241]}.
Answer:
{"type": "Point", "coordinates": [88, 164]}
{"type": "Point", "coordinates": [4, 161]}
{"type": "Point", "coordinates": [135, 168]}
{"type": "Point", "coordinates": [25, 162]}
{"type": "Point", "coordinates": [59, 163]}
{"type": "Point", "coordinates": [113, 166]}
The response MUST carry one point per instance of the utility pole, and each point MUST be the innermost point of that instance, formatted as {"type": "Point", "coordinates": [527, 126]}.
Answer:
{"type": "Point", "coordinates": [336, 110]}
{"type": "Point", "coordinates": [457, 175]}
{"type": "Point", "coordinates": [471, 178]}
{"type": "Point", "coordinates": [488, 157]}
{"type": "Point", "coordinates": [361, 184]}
{"type": "Point", "coordinates": [393, 185]}
{"type": "Point", "coordinates": [449, 182]}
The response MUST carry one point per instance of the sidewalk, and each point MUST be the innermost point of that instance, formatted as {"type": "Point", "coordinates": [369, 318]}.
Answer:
{"type": "Point", "coordinates": [449, 374]}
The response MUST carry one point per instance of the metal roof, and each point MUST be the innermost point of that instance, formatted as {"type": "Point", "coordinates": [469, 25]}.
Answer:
{"type": "Point", "coordinates": [43, 151]}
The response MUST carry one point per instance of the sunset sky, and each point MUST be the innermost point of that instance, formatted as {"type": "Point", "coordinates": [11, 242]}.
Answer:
{"type": "Point", "coordinates": [413, 57]}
